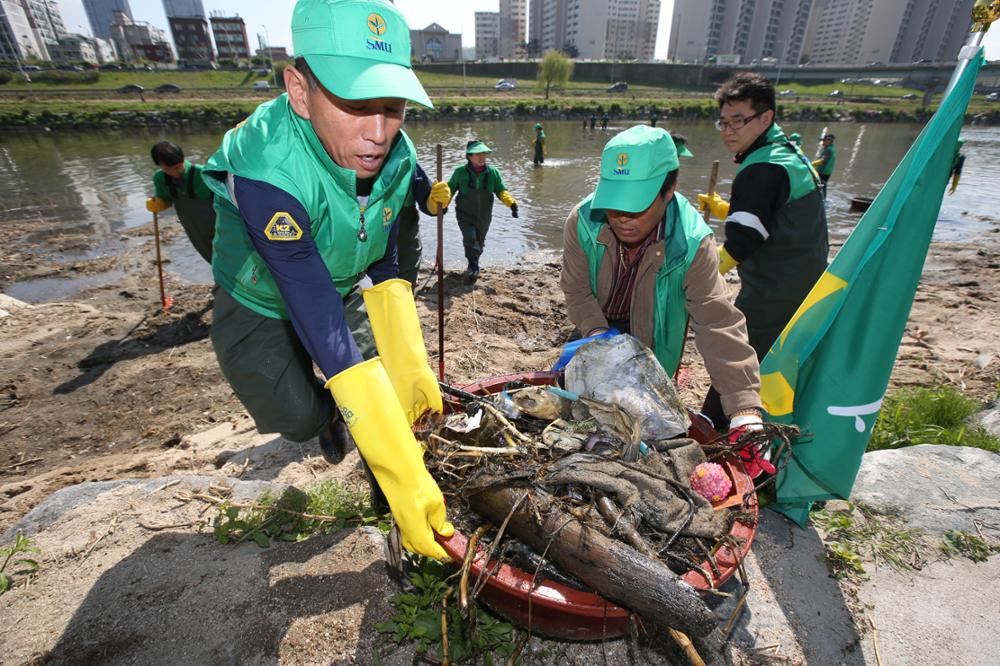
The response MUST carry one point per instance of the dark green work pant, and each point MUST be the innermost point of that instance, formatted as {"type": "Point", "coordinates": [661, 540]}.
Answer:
{"type": "Point", "coordinates": [408, 247]}
{"type": "Point", "coordinates": [270, 370]}
{"type": "Point", "coordinates": [197, 216]}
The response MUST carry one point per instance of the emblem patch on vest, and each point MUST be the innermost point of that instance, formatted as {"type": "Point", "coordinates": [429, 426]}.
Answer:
{"type": "Point", "coordinates": [387, 218]}
{"type": "Point", "coordinates": [283, 227]}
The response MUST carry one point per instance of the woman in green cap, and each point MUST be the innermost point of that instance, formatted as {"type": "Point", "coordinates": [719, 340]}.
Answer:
{"type": "Point", "coordinates": [539, 143]}
{"type": "Point", "coordinates": [473, 185]}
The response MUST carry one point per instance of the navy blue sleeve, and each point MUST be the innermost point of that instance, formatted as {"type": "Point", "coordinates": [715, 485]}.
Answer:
{"type": "Point", "coordinates": [387, 267]}
{"type": "Point", "coordinates": [421, 190]}
{"type": "Point", "coordinates": [281, 232]}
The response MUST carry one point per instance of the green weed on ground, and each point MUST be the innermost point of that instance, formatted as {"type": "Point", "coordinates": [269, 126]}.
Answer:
{"type": "Point", "coordinates": [21, 566]}
{"type": "Point", "coordinates": [957, 542]}
{"type": "Point", "coordinates": [936, 415]}
{"type": "Point", "coordinates": [859, 533]}
{"type": "Point", "coordinates": [296, 515]}
{"type": "Point", "coordinates": [430, 612]}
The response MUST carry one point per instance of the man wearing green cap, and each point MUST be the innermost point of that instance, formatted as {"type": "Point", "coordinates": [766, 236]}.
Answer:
{"type": "Point", "coordinates": [795, 139]}
{"type": "Point", "coordinates": [637, 257]}
{"type": "Point", "coordinates": [824, 163]}
{"type": "Point", "coordinates": [475, 183]}
{"type": "Point", "coordinates": [307, 191]}
{"type": "Point", "coordinates": [775, 220]}
{"type": "Point", "coordinates": [538, 143]}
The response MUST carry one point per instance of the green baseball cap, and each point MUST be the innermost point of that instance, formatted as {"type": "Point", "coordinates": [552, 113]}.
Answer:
{"type": "Point", "coordinates": [680, 142]}
{"type": "Point", "coordinates": [476, 146]}
{"type": "Point", "coordinates": [633, 166]}
{"type": "Point", "coordinates": [794, 137]}
{"type": "Point", "coordinates": [358, 49]}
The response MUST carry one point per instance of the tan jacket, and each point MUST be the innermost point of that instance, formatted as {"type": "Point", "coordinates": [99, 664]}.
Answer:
{"type": "Point", "coordinates": [720, 331]}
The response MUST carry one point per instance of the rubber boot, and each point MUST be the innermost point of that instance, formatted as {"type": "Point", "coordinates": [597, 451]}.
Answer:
{"type": "Point", "coordinates": [379, 502]}
{"type": "Point", "coordinates": [335, 440]}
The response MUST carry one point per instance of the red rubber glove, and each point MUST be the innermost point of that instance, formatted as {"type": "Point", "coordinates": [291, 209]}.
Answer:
{"type": "Point", "coordinates": [754, 461]}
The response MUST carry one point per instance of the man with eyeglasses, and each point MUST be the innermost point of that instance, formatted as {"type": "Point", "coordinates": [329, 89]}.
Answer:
{"type": "Point", "coordinates": [775, 221]}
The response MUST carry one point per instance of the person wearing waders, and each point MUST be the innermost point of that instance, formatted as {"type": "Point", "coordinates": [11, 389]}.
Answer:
{"type": "Point", "coordinates": [638, 258]}
{"type": "Point", "coordinates": [593, 120]}
{"type": "Point", "coordinates": [179, 183]}
{"type": "Point", "coordinates": [539, 144]}
{"type": "Point", "coordinates": [775, 220]}
{"type": "Point", "coordinates": [824, 163]}
{"type": "Point", "coordinates": [604, 120]}
{"type": "Point", "coordinates": [307, 193]}
{"type": "Point", "coordinates": [475, 184]}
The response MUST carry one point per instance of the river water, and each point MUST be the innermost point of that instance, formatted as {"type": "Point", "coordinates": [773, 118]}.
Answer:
{"type": "Point", "coordinates": [97, 183]}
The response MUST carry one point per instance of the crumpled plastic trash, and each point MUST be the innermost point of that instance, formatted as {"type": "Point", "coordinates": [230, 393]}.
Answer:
{"type": "Point", "coordinates": [624, 372]}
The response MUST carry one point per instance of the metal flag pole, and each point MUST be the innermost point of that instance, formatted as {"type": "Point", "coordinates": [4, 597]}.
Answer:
{"type": "Point", "coordinates": [984, 13]}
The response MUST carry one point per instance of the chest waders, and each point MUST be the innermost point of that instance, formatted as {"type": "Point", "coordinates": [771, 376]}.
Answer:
{"type": "Point", "coordinates": [777, 277]}
{"type": "Point", "coordinates": [474, 211]}
{"type": "Point", "coordinates": [197, 216]}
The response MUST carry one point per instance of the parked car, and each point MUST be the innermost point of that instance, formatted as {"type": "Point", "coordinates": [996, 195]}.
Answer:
{"type": "Point", "coordinates": [110, 66]}
{"type": "Point", "coordinates": [910, 96]}
{"type": "Point", "coordinates": [31, 68]}
{"type": "Point", "coordinates": [787, 93]}
{"type": "Point", "coordinates": [505, 84]}
{"type": "Point", "coordinates": [618, 86]}
{"type": "Point", "coordinates": [131, 88]}
{"type": "Point", "coordinates": [835, 93]}
{"type": "Point", "coordinates": [168, 88]}
{"type": "Point", "coordinates": [71, 68]}
{"type": "Point", "coordinates": [993, 97]}
{"type": "Point", "coordinates": [261, 85]}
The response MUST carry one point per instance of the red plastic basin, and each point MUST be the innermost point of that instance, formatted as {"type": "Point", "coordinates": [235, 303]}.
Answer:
{"type": "Point", "coordinates": [556, 610]}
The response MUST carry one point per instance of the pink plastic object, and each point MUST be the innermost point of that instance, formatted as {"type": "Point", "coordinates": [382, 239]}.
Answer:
{"type": "Point", "coordinates": [710, 481]}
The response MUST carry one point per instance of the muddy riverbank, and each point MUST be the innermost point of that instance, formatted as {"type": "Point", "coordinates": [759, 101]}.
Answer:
{"type": "Point", "coordinates": [92, 385]}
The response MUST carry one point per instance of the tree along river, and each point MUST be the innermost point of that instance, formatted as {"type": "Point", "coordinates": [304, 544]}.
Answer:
{"type": "Point", "coordinates": [97, 183]}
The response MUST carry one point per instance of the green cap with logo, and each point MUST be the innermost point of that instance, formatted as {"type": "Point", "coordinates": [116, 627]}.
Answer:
{"type": "Point", "coordinates": [795, 138]}
{"type": "Point", "coordinates": [358, 49]}
{"type": "Point", "coordinates": [634, 165]}
{"type": "Point", "coordinates": [476, 146]}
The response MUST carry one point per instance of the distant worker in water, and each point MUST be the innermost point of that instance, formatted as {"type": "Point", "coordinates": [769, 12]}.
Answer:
{"type": "Point", "coordinates": [593, 120]}
{"type": "Point", "coordinates": [824, 163]}
{"type": "Point", "coordinates": [474, 184]}
{"type": "Point", "coordinates": [604, 120]}
{"type": "Point", "coordinates": [177, 182]}
{"type": "Point", "coordinates": [539, 144]}
{"type": "Point", "coordinates": [956, 167]}
{"type": "Point", "coordinates": [795, 139]}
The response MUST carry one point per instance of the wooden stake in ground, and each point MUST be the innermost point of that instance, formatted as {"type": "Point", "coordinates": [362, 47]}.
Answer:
{"type": "Point", "coordinates": [440, 269]}
{"type": "Point", "coordinates": [165, 300]}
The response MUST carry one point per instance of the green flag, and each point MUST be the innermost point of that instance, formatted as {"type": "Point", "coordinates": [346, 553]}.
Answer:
{"type": "Point", "coordinates": [828, 370]}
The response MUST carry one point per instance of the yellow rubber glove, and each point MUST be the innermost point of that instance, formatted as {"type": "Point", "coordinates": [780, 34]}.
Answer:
{"type": "Point", "coordinates": [507, 200]}
{"type": "Point", "coordinates": [726, 261]}
{"type": "Point", "coordinates": [439, 197]}
{"type": "Point", "coordinates": [954, 183]}
{"type": "Point", "coordinates": [714, 203]}
{"type": "Point", "coordinates": [156, 204]}
{"type": "Point", "coordinates": [817, 163]}
{"type": "Point", "coordinates": [400, 342]}
{"type": "Point", "coordinates": [365, 397]}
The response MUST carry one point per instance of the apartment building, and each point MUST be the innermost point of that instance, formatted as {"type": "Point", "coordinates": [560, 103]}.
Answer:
{"type": "Point", "coordinates": [230, 34]}
{"type": "Point", "coordinates": [488, 35]}
{"type": "Point", "coordinates": [513, 28]}
{"type": "Point", "coordinates": [597, 29]}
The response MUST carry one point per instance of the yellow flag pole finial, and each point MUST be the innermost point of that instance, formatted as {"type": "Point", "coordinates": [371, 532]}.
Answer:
{"type": "Point", "coordinates": [984, 12]}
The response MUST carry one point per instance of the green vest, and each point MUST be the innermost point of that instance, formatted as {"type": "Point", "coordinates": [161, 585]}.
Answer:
{"type": "Point", "coordinates": [830, 155]}
{"type": "Point", "coordinates": [779, 274]}
{"type": "Point", "coordinates": [276, 146]}
{"type": "Point", "coordinates": [474, 193]}
{"type": "Point", "coordinates": [684, 232]}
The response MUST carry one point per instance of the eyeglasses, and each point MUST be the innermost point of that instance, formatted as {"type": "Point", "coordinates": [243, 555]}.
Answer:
{"type": "Point", "coordinates": [735, 123]}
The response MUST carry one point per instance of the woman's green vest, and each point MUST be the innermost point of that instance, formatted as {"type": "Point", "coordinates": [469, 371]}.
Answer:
{"type": "Point", "coordinates": [684, 232]}
{"type": "Point", "coordinates": [276, 146]}
{"type": "Point", "coordinates": [778, 275]}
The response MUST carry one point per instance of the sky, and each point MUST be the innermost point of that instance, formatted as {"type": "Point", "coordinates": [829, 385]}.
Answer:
{"type": "Point", "coordinates": [276, 16]}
